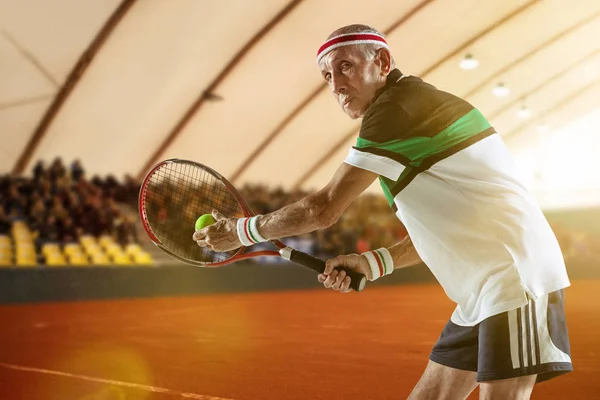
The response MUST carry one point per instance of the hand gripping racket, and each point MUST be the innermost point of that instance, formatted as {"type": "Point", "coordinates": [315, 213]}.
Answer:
{"type": "Point", "coordinates": [176, 192]}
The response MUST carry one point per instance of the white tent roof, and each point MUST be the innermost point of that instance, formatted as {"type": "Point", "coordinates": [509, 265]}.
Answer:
{"type": "Point", "coordinates": [273, 120]}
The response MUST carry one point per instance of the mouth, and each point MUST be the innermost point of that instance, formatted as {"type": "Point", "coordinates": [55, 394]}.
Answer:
{"type": "Point", "coordinates": [346, 102]}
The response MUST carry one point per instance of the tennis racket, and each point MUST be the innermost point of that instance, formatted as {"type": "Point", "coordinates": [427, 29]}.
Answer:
{"type": "Point", "coordinates": [176, 192]}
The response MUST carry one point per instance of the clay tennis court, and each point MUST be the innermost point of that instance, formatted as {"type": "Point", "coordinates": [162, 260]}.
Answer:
{"type": "Point", "coordinates": [310, 344]}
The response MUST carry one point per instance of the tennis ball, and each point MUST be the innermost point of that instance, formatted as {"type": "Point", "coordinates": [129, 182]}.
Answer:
{"type": "Point", "coordinates": [204, 221]}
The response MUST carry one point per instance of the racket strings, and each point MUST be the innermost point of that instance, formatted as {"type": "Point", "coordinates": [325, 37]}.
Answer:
{"type": "Point", "coordinates": [176, 195]}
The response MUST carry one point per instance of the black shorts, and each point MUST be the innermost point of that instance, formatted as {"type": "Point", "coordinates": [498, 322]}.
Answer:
{"type": "Point", "coordinates": [529, 340]}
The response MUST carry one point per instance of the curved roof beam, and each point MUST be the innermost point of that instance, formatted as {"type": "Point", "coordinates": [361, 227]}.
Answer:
{"type": "Point", "coordinates": [547, 82]}
{"type": "Point", "coordinates": [208, 94]}
{"type": "Point", "coordinates": [530, 54]}
{"type": "Point", "coordinates": [475, 38]}
{"type": "Point", "coordinates": [67, 88]}
{"type": "Point", "coordinates": [432, 68]}
{"type": "Point", "coordinates": [563, 103]}
{"type": "Point", "coordinates": [290, 117]}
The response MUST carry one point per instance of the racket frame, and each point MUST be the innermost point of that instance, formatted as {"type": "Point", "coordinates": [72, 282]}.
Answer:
{"type": "Point", "coordinates": [358, 281]}
{"type": "Point", "coordinates": [240, 254]}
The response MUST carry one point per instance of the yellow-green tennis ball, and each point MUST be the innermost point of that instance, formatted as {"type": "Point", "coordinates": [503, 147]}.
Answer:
{"type": "Point", "coordinates": [204, 221]}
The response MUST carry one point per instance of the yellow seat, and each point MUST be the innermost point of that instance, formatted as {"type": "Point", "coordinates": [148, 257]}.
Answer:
{"type": "Point", "coordinates": [5, 258]}
{"type": "Point", "coordinates": [121, 259]}
{"type": "Point", "coordinates": [106, 241]}
{"type": "Point", "coordinates": [50, 248]}
{"type": "Point", "coordinates": [5, 262]}
{"type": "Point", "coordinates": [4, 239]}
{"type": "Point", "coordinates": [72, 248]}
{"type": "Point", "coordinates": [25, 250]}
{"type": "Point", "coordinates": [87, 240]}
{"type": "Point", "coordinates": [132, 249]}
{"type": "Point", "coordinates": [78, 260]}
{"type": "Point", "coordinates": [114, 249]}
{"type": "Point", "coordinates": [143, 259]}
{"type": "Point", "coordinates": [56, 261]}
{"type": "Point", "coordinates": [26, 262]}
{"type": "Point", "coordinates": [93, 250]}
{"type": "Point", "coordinates": [100, 259]}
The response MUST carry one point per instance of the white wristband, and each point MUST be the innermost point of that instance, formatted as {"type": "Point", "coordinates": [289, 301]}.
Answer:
{"type": "Point", "coordinates": [254, 229]}
{"type": "Point", "coordinates": [247, 231]}
{"type": "Point", "coordinates": [380, 262]}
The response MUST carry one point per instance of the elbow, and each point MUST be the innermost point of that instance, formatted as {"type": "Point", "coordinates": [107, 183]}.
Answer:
{"type": "Point", "coordinates": [322, 211]}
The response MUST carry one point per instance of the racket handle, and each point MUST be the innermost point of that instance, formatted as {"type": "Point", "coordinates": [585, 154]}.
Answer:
{"type": "Point", "coordinates": [357, 280]}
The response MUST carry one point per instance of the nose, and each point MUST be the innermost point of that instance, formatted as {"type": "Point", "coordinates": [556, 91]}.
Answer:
{"type": "Point", "coordinates": [338, 84]}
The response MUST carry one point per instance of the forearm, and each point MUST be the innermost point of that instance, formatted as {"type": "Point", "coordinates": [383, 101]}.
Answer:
{"type": "Point", "coordinates": [404, 254]}
{"type": "Point", "coordinates": [307, 215]}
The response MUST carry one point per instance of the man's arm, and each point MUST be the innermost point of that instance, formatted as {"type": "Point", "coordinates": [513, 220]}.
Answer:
{"type": "Point", "coordinates": [403, 253]}
{"type": "Point", "coordinates": [316, 211]}
{"type": "Point", "coordinates": [319, 210]}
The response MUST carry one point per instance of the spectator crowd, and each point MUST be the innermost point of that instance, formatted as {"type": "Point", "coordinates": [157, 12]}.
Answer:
{"type": "Point", "coordinates": [60, 203]}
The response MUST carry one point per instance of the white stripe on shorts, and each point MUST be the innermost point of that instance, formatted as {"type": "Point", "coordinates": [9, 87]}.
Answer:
{"type": "Point", "coordinates": [513, 331]}
{"type": "Point", "coordinates": [548, 352]}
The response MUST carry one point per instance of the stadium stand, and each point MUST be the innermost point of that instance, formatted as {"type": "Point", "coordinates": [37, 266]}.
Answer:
{"type": "Point", "coordinates": [59, 218]}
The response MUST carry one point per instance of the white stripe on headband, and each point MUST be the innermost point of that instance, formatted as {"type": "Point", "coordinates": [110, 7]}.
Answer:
{"type": "Point", "coordinates": [348, 39]}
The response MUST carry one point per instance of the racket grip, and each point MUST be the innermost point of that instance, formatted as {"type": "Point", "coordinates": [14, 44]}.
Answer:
{"type": "Point", "coordinates": [357, 280]}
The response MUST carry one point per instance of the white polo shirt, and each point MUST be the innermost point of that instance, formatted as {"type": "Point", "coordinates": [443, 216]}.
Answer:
{"type": "Point", "coordinates": [454, 185]}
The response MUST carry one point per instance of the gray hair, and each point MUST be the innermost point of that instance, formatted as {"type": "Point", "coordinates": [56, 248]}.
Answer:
{"type": "Point", "coordinates": [369, 49]}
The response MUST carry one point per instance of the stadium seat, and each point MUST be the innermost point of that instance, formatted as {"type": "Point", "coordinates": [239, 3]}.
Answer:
{"type": "Point", "coordinates": [50, 248]}
{"type": "Point", "coordinates": [133, 249]}
{"type": "Point", "coordinates": [78, 259]}
{"type": "Point", "coordinates": [100, 259]}
{"type": "Point", "coordinates": [105, 241]}
{"type": "Point", "coordinates": [96, 250]}
{"type": "Point", "coordinates": [71, 249]}
{"type": "Point", "coordinates": [121, 259]}
{"type": "Point", "coordinates": [26, 261]}
{"type": "Point", "coordinates": [143, 258]}
{"type": "Point", "coordinates": [87, 239]}
{"type": "Point", "coordinates": [114, 249]}
{"type": "Point", "coordinates": [56, 261]}
{"type": "Point", "coordinates": [5, 240]}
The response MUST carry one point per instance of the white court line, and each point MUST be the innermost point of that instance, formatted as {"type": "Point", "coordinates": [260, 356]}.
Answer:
{"type": "Point", "coordinates": [147, 388]}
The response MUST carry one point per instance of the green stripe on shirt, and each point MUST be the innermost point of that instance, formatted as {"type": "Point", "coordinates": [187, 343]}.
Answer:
{"type": "Point", "coordinates": [418, 148]}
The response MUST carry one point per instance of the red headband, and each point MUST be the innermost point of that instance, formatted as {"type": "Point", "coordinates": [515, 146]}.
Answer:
{"type": "Point", "coordinates": [350, 39]}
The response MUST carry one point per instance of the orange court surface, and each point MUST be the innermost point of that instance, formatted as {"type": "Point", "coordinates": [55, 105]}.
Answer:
{"type": "Point", "coordinates": [292, 345]}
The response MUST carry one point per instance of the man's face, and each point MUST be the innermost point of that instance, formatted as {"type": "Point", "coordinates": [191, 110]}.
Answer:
{"type": "Point", "coordinates": [352, 78]}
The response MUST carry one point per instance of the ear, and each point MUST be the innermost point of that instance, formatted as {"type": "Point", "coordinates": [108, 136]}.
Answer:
{"type": "Point", "coordinates": [383, 59]}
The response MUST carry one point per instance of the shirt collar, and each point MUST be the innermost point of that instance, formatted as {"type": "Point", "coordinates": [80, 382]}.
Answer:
{"type": "Point", "coordinates": [391, 80]}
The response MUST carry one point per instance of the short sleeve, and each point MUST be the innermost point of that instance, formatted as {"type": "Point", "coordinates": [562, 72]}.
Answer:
{"type": "Point", "coordinates": [384, 122]}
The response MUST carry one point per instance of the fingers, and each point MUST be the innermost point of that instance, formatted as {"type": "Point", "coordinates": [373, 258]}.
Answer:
{"type": "Point", "coordinates": [217, 215]}
{"type": "Point", "coordinates": [198, 235]}
{"type": "Point", "coordinates": [332, 263]}
{"type": "Point", "coordinates": [203, 243]}
{"type": "Point", "coordinates": [337, 280]}
{"type": "Point", "coordinates": [345, 286]}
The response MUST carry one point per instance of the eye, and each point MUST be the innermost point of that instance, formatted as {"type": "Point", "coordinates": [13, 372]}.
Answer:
{"type": "Point", "coordinates": [345, 65]}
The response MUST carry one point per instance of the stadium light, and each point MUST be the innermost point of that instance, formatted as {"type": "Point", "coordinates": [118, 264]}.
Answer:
{"type": "Point", "coordinates": [469, 62]}
{"type": "Point", "coordinates": [524, 112]}
{"type": "Point", "coordinates": [500, 90]}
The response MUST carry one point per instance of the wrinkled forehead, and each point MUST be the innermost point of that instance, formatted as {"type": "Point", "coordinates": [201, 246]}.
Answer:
{"type": "Point", "coordinates": [350, 53]}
